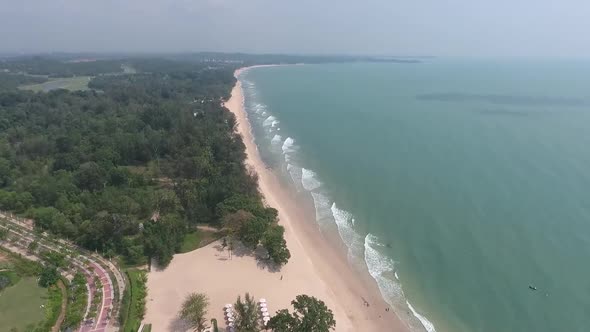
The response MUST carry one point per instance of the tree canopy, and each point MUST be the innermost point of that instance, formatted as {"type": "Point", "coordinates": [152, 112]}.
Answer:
{"type": "Point", "coordinates": [246, 310]}
{"type": "Point", "coordinates": [194, 310]}
{"type": "Point", "coordinates": [274, 242]}
{"type": "Point", "coordinates": [127, 166]}
{"type": "Point", "coordinates": [49, 276]}
{"type": "Point", "coordinates": [310, 315]}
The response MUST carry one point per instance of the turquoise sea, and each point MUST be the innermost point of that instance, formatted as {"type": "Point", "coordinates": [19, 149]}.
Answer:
{"type": "Point", "coordinates": [456, 183]}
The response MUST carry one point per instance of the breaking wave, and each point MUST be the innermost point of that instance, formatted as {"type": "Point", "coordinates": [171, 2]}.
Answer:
{"type": "Point", "coordinates": [425, 322]}
{"type": "Point", "coordinates": [345, 221]}
{"type": "Point", "coordinates": [295, 174]}
{"type": "Point", "coordinates": [277, 139]}
{"type": "Point", "coordinates": [382, 269]}
{"type": "Point", "coordinates": [309, 180]}
{"type": "Point", "coordinates": [361, 252]}
{"type": "Point", "coordinates": [288, 149]}
{"type": "Point", "coordinates": [259, 108]}
{"type": "Point", "coordinates": [321, 203]}
{"type": "Point", "coordinates": [269, 121]}
{"type": "Point", "coordinates": [289, 145]}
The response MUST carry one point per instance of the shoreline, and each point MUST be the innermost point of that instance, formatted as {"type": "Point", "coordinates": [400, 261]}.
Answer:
{"type": "Point", "coordinates": [316, 268]}
{"type": "Point", "coordinates": [328, 258]}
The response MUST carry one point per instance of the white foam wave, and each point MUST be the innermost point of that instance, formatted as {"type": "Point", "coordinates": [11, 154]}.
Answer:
{"type": "Point", "coordinates": [269, 121]}
{"type": "Point", "coordinates": [425, 322]}
{"type": "Point", "coordinates": [380, 268]}
{"type": "Point", "coordinates": [288, 145]}
{"type": "Point", "coordinates": [277, 139]}
{"type": "Point", "coordinates": [309, 179]}
{"type": "Point", "coordinates": [259, 108]}
{"type": "Point", "coordinates": [295, 173]}
{"type": "Point", "coordinates": [347, 233]}
{"type": "Point", "coordinates": [321, 203]}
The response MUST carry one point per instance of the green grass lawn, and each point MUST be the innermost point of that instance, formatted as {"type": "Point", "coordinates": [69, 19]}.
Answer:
{"type": "Point", "coordinates": [11, 275]}
{"type": "Point", "coordinates": [198, 238]}
{"type": "Point", "coordinates": [190, 242]}
{"type": "Point", "coordinates": [69, 83]}
{"type": "Point", "coordinates": [135, 301]}
{"type": "Point", "coordinates": [20, 305]}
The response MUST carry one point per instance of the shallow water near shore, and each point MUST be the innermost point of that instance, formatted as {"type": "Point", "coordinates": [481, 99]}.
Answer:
{"type": "Point", "coordinates": [455, 183]}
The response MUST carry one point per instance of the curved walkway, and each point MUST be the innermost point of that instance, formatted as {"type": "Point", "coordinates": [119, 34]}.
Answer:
{"type": "Point", "coordinates": [91, 270]}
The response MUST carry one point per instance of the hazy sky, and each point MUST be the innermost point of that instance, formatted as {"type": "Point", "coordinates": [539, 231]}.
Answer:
{"type": "Point", "coordinates": [392, 27]}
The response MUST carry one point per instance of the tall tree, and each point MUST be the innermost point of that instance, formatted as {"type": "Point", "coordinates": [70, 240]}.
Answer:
{"type": "Point", "coordinates": [193, 311]}
{"type": "Point", "coordinates": [246, 314]}
{"type": "Point", "coordinates": [275, 244]}
{"type": "Point", "coordinates": [310, 315]}
{"type": "Point", "coordinates": [48, 277]}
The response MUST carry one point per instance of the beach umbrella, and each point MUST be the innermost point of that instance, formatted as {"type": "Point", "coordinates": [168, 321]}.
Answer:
{"type": "Point", "coordinates": [263, 309]}
{"type": "Point", "coordinates": [265, 314]}
{"type": "Point", "coordinates": [228, 305]}
{"type": "Point", "coordinates": [230, 319]}
{"type": "Point", "coordinates": [263, 305]}
{"type": "Point", "coordinates": [262, 301]}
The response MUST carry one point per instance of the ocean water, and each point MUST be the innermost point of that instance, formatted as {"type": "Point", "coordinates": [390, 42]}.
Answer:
{"type": "Point", "coordinates": [455, 183]}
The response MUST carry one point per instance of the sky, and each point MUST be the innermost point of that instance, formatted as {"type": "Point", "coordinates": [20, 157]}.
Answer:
{"type": "Point", "coordinates": [361, 27]}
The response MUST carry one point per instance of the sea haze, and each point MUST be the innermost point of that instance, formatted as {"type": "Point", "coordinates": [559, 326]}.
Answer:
{"type": "Point", "coordinates": [456, 183]}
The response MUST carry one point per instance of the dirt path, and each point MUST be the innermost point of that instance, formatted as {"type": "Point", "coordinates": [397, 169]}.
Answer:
{"type": "Point", "coordinates": [64, 306]}
{"type": "Point", "coordinates": [207, 228]}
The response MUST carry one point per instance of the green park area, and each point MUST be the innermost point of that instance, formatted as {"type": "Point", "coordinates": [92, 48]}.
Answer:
{"type": "Point", "coordinates": [133, 304]}
{"type": "Point", "coordinates": [199, 237]}
{"type": "Point", "coordinates": [22, 305]}
{"type": "Point", "coordinates": [69, 83]}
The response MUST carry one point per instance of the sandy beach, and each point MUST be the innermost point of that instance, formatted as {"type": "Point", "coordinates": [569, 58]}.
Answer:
{"type": "Point", "coordinates": [316, 268]}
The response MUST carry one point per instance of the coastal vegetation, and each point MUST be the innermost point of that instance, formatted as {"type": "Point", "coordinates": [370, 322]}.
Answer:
{"type": "Point", "coordinates": [133, 167]}
{"type": "Point", "coordinates": [133, 304]}
{"type": "Point", "coordinates": [25, 303]}
{"type": "Point", "coordinates": [53, 306]}
{"type": "Point", "coordinates": [129, 167]}
{"type": "Point", "coordinates": [77, 301]}
{"type": "Point", "coordinates": [309, 315]}
{"type": "Point", "coordinates": [21, 305]}
{"type": "Point", "coordinates": [194, 310]}
{"type": "Point", "coordinates": [246, 312]}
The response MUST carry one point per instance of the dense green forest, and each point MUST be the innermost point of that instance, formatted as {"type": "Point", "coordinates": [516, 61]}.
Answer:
{"type": "Point", "coordinates": [10, 81]}
{"type": "Point", "coordinates": [127, 167]}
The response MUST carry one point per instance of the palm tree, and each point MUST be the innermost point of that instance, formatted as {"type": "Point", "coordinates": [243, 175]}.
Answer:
{"type": "Point", "coordinates": [246, 314]}
{"type": "Point", "coordinates": [194, 309]}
